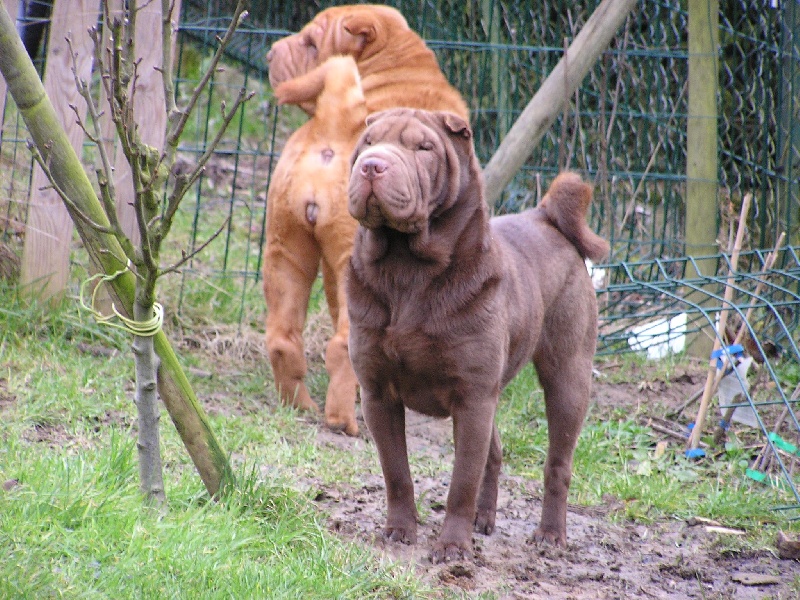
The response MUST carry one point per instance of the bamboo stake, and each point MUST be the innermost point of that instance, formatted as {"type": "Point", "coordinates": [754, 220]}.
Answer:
{"type": "Point", "coordinates": [714, 375]}
{"type": "Point", "coordinates": [768, 264]}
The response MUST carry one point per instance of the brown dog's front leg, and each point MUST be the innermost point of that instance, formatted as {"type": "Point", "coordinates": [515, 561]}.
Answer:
{"type": "Point", "coordinates": [386, 421]}
{"type": "Point", "coordinates": [472, 434]}
{"type": "Point", "coordinates": [487, 499]}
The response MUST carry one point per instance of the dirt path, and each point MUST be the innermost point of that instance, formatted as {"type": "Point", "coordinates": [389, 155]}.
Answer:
{"type": "Point", "coordinates": [603, 560]}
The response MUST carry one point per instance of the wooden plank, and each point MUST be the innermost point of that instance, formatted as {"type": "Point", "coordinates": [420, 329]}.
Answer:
{"type": "Point", "coordinates": [11, 7]}
{"type": "Point", "coordinates": [149, 108]}
{"type": "Point", "coordinates": [45, 259]}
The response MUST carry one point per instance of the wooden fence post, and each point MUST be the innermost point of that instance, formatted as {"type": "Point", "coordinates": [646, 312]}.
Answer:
{"type": "Point", "coordinates": [702, 188]}
{"type": "Point", "coordinates": [45, 257]}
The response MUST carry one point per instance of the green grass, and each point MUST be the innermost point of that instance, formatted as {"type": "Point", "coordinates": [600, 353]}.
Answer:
{"type": "Point", "coordinates": [617, 455]}
{"type": "Point", "coordinates": [73, 525]}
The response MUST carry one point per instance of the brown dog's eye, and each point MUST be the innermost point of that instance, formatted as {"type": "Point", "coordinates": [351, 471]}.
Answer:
{"type": "Point", "coordinates": [426, 145]}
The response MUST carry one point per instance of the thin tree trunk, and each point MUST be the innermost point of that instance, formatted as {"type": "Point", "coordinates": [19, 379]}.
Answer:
{"type": "Point", "coordinates": [105, 250]}
{"type": "Point", "coordinates": [151, 478]}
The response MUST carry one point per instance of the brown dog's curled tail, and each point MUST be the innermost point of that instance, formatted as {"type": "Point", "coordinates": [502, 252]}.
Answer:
{"type": "Point", "coordinates": [566, 204]}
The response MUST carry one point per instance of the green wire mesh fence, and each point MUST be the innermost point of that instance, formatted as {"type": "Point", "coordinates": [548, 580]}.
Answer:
{"type": "Point", "coordinates": [625, 129]}
{"type": "Point", "coordinates": [657, 306]}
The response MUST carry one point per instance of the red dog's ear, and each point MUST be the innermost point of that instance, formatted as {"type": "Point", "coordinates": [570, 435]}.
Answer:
{"type": "Point", "coordinates": [361, 25]}
{"type": "Point", "coordinates": [456, 125]}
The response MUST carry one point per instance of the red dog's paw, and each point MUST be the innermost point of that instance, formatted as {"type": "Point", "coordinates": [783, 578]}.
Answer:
{"type": "Point", "coordinates": [349, 427]}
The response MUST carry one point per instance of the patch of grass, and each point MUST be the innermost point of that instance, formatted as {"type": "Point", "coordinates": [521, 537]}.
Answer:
{"type": "Point", "coordinates": [72, 521]}
{"type": "Point", "coordinates": [619, 457]}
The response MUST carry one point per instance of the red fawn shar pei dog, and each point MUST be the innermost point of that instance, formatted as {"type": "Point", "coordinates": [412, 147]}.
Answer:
{"type": "Point", "coordinates": [307, 225]}
{"type": "Point", "coordinates": [447, 305]}
{"type": "Point", "coordinates": [307, 221]}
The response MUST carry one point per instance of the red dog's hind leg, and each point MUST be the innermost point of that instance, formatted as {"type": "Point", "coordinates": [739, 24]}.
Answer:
{"type": "Point", "coordinates": [290, 267]}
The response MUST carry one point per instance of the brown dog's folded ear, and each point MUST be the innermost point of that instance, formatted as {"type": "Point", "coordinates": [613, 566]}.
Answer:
{"type": "Point", "coordinates": [456, 125]}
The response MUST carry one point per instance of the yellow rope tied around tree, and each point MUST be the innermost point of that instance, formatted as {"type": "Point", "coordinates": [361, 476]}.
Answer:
{"type": "Point", "coordinates": [147, 328]}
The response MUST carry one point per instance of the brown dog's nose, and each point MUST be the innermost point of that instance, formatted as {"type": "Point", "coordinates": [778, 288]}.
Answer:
{"type": "Point", "coordinates": [373, 167]}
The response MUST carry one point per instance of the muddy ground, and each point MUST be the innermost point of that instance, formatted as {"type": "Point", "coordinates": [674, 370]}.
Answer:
{"type": "Point", "coordinates": [605, 558]}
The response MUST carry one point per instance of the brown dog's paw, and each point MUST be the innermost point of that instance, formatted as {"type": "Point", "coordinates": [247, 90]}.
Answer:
{"type": "Point", "coordinates": [484, 522]}
{"type": "Point", "coordinates": [400, 534]}
{"type": "Point", "coordinates": [449, 552]}
{"type": "Point", "coordinates": [555, 538]}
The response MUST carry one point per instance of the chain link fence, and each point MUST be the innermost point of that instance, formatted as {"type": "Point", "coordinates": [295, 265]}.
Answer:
{"type": "Point", "coordinates": [625, 128]}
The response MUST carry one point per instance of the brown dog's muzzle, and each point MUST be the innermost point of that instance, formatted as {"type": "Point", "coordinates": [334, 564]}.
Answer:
{"type": "Point", "coordinates": [381, 192]}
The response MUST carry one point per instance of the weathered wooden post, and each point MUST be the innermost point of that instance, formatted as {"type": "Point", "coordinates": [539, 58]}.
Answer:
{"type": "Point", "coordinates": [45, 257]}
{"type": "Point", "coordinates": [702, 189]}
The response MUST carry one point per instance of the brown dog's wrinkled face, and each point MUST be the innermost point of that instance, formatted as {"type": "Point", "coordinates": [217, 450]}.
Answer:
{"type": "Point", "coordinates": [405, 166]}
{"type": "Point", "coordinates": [348, 30]}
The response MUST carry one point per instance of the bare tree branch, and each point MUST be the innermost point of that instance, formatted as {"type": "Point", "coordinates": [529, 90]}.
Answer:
{"type": "Point", "coordinates": [106, 180]}
{"type": "Point", "coordinates": [179, 123]}
{"type": "Point", "coordinates": [179, 190]}
{"type": "Point", "coordinates": [187, 257]}
{"type": "Point", "coordinates": [167, 9]}
{"type": "Point", "coordinates": [74, 208]}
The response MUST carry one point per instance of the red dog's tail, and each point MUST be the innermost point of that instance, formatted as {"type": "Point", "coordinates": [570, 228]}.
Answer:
{"type": "Point", "coordinates": [566, 204]}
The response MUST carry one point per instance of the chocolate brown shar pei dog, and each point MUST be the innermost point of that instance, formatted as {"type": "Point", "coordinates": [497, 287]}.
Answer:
{"type": "Point", "coordinates": [307, 222]}
{"type": "Point", "coordinates": [447, 305]}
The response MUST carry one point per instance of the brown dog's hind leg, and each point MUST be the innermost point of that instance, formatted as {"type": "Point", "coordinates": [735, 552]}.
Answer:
{"type": "Point", "coordinates": [386, 420]}
{"type": "Point", "coordinates": [487, 498]}
{"type": "Point", "coordinates": [289, 272]}
{"type": "Point", "coordinates": [566, 391]}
